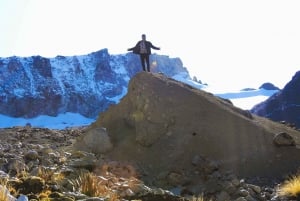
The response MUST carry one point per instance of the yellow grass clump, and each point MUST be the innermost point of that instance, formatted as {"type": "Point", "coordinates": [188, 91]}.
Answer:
{"type": "Point", "coordinates": [6, 190]}
{"type": "Point", "coordinates": [4, 193]}
{"type": "Point", "coordinates": [199, 198]}
{"type": "Point", "coordinates": [50, 175]}
{"type": "Point", "coordinates": [290, 187]}
{"type": "Point", "coordinates": [90, 185]}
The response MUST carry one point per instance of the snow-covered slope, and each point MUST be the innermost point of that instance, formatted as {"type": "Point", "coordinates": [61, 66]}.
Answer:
{"type": "Point", "coordinates": [85, 84]}
{"type": "Point", "coordinates": [247, 99]}
{"type": "Point", "coordinates": [242, 99]}
{"type": "Point", "coordinates": [72, 91]}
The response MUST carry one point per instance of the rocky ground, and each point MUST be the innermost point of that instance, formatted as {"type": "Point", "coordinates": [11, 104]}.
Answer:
{"type": "Point", "coordinates": [39, 163]}
{"type": "Point", "coordinates": [165, 140]}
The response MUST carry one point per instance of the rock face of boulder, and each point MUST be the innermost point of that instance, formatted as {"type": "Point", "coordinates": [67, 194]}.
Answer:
{"type": "Point", "coordinates": [173, 131]}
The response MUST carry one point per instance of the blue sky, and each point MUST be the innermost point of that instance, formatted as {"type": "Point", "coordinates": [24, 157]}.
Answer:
{"type": "Point", "coordinates": [231, 44]}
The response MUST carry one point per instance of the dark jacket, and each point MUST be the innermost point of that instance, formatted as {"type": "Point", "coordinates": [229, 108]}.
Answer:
{"type": "Point", "coordinates": [148, 44]}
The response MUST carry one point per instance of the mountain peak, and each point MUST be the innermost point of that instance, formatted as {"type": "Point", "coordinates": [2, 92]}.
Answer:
{"type": "Point", "coordinates": [85, 84]}
{"type": "Point", "coordinates": [268, 86]}
{"type": "Point", "coordinates": [284, 105]}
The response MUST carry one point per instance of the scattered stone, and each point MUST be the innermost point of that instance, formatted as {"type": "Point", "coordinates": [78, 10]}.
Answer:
{"type": "Point", "coordinates": [284, 139]}
{"type": "Point", "coordinates": [95, 140]}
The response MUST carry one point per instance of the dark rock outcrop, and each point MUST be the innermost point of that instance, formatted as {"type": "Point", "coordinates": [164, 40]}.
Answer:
{"type": "Point", "coordinates": [284, 105]}
{"type": "Point", "coordinates": [86, 84]}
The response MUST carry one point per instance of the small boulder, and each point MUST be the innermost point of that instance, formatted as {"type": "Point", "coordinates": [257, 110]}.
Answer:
{"type": "Point", "coordinates": [283, 139]}
{"type": "Point", "coordinates": [95, 141]}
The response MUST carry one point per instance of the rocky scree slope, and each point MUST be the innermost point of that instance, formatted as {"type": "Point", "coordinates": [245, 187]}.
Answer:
{"type": "Point", "coordinates": [43, 164]}
{"type": "Point", "coordinates": [39, 164]}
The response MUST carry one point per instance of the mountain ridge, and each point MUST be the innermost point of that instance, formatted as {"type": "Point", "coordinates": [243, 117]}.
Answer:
{"type": "Point", "coordinates": [283, 105]}
{"type": "Point", "coordinates": [86, 84]}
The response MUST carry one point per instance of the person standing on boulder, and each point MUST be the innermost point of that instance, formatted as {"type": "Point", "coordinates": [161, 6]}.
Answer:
{"type": "Point", "coordinates": [143, 48]}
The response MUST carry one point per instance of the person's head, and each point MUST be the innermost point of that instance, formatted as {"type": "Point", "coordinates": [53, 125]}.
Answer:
{"type": "Point", "coordinates": [144, 36]}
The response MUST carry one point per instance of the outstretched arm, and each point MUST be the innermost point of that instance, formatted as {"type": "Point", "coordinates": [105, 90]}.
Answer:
{"type": "Point", "coordinates": [131, 49]}
{"type": "Point", "coordinates": [153, 47]}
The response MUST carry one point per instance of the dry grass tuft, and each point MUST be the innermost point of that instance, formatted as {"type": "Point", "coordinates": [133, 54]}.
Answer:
{"type": "Point", "coordinates": [199, 198]}
{"type": "Point", "coordinates": [45, 174]}
{"type": "Point", "coordinates": [91, 185]}
{"type": "Point", "coordinates": [49, 175]}
{"type": "Point", "coordinates": [44, 196]}
{"type": "Point", "coordinates": [4, 193]}
{"type": "Point", "coordinates": [291, 187]}
{"type": "Point", "coordinates": [6, 190]}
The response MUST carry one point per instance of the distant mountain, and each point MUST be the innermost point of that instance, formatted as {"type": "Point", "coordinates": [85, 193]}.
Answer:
{"type": "Point", "coordinates": [247, 97]}
{"type": "Point", "coordinates": [32, 88]}
{"type": "Point", "coordinates": [268, 86]}
{"type": "Point", "coordinates": [283, 105]}
{"type": "Point", "coordinates": [86, 84]}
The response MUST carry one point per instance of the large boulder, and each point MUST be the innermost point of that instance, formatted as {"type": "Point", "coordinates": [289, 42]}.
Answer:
{"type": "Point", "coordinates": [171, 130]}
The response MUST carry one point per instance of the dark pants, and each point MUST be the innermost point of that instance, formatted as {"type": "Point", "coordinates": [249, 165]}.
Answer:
{"type": "Point", "coordinates": [145, 60]}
